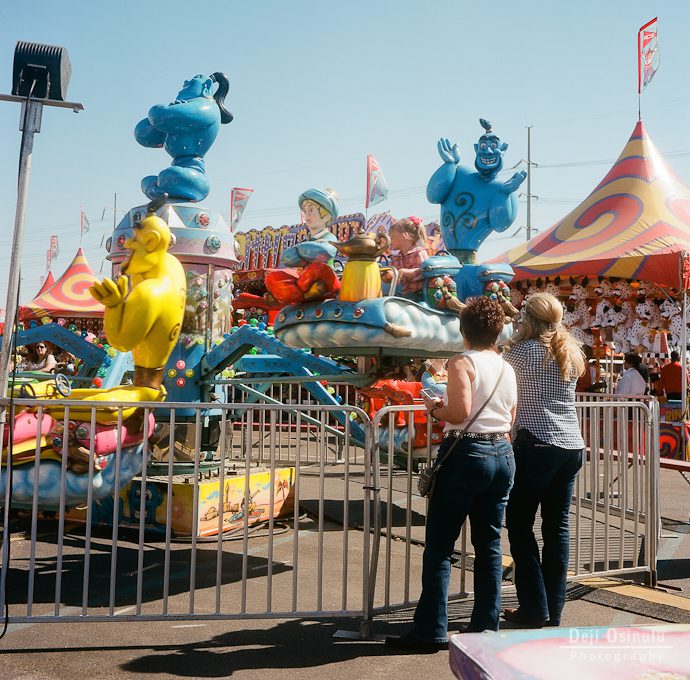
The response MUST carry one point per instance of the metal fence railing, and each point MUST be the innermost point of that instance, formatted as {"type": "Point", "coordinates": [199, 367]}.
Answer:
{"type": "Point", "coordinates": [249, 510]}
{"type": "Point", "coordinates": [614, 517]}
{"type": "Point", "coordinates": [269, 536]}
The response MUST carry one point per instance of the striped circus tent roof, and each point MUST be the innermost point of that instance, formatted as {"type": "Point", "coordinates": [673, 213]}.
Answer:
{"type": "Point", "coordinates": [69, 296]}
{"type": "Point", "coordinates": [634, 225]}
{"type": "Point", "coordinates": [50, 280]}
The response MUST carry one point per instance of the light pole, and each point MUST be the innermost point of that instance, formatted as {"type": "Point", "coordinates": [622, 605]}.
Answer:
{"type": "Point", "coordinates": [40, 77]}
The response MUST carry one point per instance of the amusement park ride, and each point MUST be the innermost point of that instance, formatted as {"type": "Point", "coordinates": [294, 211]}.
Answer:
{"type": "Point", "coordinates": [168, 309]}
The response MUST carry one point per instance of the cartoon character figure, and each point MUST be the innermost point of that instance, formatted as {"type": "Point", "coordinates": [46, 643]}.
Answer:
{"type": "Point", "coordinates": [186, 129]}
{"type": "Point", "coordinates": [154, 498]}
{"type": "Point", "coordinates": [144, 309]}
{"type": "Point", "coordinates": [473, 204]}
{"type": "Point", "coordinates": [314, 278]}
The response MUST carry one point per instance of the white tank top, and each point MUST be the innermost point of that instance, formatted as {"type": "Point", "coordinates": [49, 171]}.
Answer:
{"type": "Point", "coordinates": [496, 415]}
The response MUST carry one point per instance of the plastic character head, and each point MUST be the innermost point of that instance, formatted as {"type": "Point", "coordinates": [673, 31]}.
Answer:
{"type": "Point", "coordinates": [489, 150]}
{"type": "Point", "coordinates": [154, 497]}
{"type": "Point", "coordinates": [149, 243]}
{"type": "Point", "coordinates": [319, 207]}
{"type": "Point", "coordinates": [198, 86]}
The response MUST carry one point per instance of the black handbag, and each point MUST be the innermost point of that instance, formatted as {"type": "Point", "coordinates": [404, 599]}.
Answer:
{"type": "Point", "coordinates": [427, 477]}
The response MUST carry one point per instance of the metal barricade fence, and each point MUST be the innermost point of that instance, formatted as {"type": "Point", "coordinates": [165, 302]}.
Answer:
{"type": "Point", "coordinates": [309, 559]}
{"type": "Point", "coordinates": [616, 513]}
{"type": "Point", "coordinates": [287, 394]}
{"type": "Point", "coordinates": [333, 499]}
{"type": "Point", "coordinates": [614, 517]}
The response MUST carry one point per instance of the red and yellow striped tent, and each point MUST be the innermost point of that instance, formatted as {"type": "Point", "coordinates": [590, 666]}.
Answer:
{"type": "Point", "coordinates": [50, 280]}
{"type": "Point", "coordinates": [69, 296]}
{"type": "Point", "coordinates": [634, 225]}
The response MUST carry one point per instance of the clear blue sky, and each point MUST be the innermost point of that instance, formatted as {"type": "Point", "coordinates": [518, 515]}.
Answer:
{"type": "Point", "coordinates": [316, 86]}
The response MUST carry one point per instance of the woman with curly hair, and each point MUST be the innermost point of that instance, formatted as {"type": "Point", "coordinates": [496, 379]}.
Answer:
{"type": "Point", "coordinates": [473, 481]}
{"type": "Point", "coordinates": [548, 454]}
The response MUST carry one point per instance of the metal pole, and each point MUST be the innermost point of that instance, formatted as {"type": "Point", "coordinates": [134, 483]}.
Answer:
{"type": "Point", "coordinates": [529, 182]}
{"type": "Point", "coordinates": [30, 124]}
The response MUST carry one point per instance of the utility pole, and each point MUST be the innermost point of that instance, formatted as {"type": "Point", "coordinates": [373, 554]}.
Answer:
{"type": "Point", "coordinates": [529, 182]}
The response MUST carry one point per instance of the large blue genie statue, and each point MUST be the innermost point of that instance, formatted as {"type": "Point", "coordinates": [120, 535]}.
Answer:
{"type": "Point", "coordinates": [186, 129]}
{"type": "Point", "coordinates": [473, 204]}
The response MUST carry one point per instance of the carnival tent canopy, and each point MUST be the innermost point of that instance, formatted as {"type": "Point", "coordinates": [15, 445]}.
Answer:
{"type": "Point", "coordinates": [69, 296]}
{"type": "Point", "coordinates": [50, 280]}
{"type": "Point", "coordinates": [634, 225]}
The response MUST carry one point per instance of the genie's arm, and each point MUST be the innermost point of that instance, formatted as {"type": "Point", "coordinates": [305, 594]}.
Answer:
{"type": "Point", "coordinates": [307, 252]}
{"type": "Point", "coordinates": [503, 211]}
{"type": "Point", "coordinates": [441, 181]}
{"type": "Point", "coordinates": [194, 114]}
{"type": "Point", "coordinates": [127, 324]}
{"type": "Point", "coordinates": [147, 135]}
{"type": "Point", "coordinates": [514, 182]}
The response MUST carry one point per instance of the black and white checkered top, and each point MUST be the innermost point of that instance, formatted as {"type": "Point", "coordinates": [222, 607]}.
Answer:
{"type": "Point", "coordinates": [546, 402]}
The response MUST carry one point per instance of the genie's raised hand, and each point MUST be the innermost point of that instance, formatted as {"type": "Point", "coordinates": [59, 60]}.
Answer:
{"type": "Point", "coordinates": [514, 182]}
{"type": "Point", "coordinates": [450, 153]}
{"type": "Point", "coordinates": [109, 293]}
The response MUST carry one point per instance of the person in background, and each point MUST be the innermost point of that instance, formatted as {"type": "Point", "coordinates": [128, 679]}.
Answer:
{"type": "Point", "coordinates": [670, 382]}
{"type": "Point", "coordinates": [65, 363]}
{"type": "Point", "coordinates": [473, 481]}
{"type": "Point", "coordinates": [632, 382]}
{"type": "Point", "coordinates": [587, 381]}
{"type": "Point", "coordinates": [408, 238]}
{"type": "Point", "coordinates": [39, 358]}
{"type": "Point", "coordinates": [549, 450]}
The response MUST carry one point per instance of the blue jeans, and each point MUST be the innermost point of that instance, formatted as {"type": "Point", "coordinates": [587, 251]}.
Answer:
{"type": "Point", "coordinates": [544, 476]}
{"type": "Point", "coordinates": [475, 482]}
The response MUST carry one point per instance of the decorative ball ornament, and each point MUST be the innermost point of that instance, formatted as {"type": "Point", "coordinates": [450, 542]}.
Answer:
{"type": "Point", "coordinates": [202, 219]}
{"type": "Point", "coordinates": [172, 373]}
{"type": "Point", "coordinates": [180, 364]}
{"type": "Point", "coordinates": [189, 372]}
{"type": "Point", "coordinates": [180, 382]}
{"type": "Point", "coordinates": [213, 244]}
{"type": "Point", "coordinates": [358, 312]}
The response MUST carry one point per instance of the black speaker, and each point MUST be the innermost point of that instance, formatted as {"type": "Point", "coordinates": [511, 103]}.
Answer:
{"type": "Point", "coordinates": [47, 65]}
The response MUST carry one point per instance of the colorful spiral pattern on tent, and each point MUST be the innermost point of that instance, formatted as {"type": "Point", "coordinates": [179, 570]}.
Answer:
{"type": "Point", "coordinates": [634, 225]}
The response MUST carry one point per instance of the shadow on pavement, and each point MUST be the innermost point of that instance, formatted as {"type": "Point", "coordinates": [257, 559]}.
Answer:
{"type": "Point", "coordinates": [126, 572]}
{"type": "Point", "coordinates": [293, 644]}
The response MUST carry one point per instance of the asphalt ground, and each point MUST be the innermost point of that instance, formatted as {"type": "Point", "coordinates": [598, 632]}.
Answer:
{"type": "Point", "coordinates": [300, 647]}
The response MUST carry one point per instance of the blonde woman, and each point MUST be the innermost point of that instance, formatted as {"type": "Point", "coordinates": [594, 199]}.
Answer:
{"type": "Point", "coordinates": [548, 449]}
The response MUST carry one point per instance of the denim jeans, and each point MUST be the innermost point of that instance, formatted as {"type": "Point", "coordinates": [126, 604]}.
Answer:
{"type": "Point", "coordinates": [544, 476]}
{"type": "Point", "coordinates": [474, 481]}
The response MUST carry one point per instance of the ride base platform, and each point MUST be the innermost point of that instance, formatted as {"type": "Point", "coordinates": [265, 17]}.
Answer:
{"type": "Point", "coordinates": [215, 510]}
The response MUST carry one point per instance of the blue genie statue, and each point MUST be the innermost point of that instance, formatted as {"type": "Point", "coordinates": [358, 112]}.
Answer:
{"type": "Point", "coordinates": [473, 204]}
{"type": "Point", "coordinates": [186, 129]}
